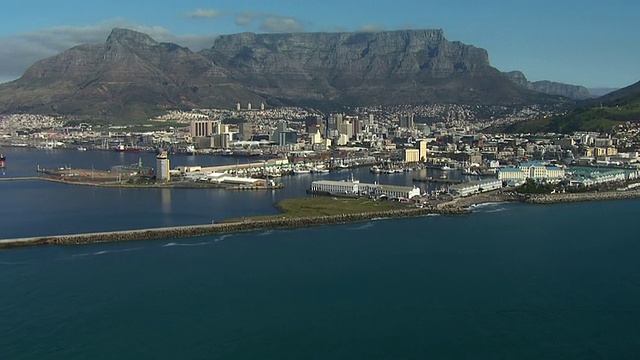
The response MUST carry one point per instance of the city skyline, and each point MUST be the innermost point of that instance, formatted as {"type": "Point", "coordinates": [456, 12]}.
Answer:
{"type": "Point", "coordinates": [587, 43]}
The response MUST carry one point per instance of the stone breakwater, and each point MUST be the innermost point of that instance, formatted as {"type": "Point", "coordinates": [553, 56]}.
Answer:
{"type": "Point", "coordinates": [250, 225]}
{"type": "Point", "coordinates": [561, 198]}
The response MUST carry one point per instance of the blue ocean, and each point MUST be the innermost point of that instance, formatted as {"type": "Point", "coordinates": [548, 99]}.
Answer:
{"type": "Point", "coordinates": [509, 281]}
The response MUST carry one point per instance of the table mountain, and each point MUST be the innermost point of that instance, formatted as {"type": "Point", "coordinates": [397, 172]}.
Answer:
{"type": "Point", "coordinates": [133, 76]}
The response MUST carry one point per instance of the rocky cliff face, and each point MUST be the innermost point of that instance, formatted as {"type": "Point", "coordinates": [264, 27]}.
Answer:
{"type": "Point", "coordinates": [574, 92]}
{"type": "Point", "coordinates": [130, 75]}
{"type": "Point", "coordinates": [133, 76]}
{"type": "Point", "coordinates": [393, 67]}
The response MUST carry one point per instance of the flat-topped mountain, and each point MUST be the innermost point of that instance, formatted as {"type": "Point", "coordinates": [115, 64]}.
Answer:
{"type": "Point", "coordinates": [133, 76]}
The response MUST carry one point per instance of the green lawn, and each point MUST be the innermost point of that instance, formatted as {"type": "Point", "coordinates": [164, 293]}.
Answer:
{"type": "Point", "coordinates": [325, 205]}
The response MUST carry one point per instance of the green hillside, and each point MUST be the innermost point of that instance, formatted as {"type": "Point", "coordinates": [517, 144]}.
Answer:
{"type": "Point", "coordinates": [596, 115]}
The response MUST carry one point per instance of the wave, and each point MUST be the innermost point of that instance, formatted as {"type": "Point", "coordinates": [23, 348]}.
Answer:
{"type": "Point", "coordinates": [379, 218]}
{"type": "Point", "coordinates": [432, 215]}
{"type": "Point", "coordinates": [108, 252]}
{"type": "Point", "coordinates": [363, 226]}
{"type": "Point", "coordinates": [185, 244]}
{"type": "Point", "coordinates": [265, 233]}
{"type": "Point", "coordinates": [484, 205]}
{"type": "Point", "coordinates": [9, 263]}
{"type": "Point", "coordinates": [222, 237]}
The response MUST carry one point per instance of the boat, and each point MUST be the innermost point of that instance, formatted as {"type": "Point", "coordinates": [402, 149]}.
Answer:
{"type": "Point", "coordinates": [319, 170]}
{"type": "Point", "coordinates": [82, 148]}
{"type": "Point", "coordinates": [3, 161]}
{"type": "Point", "coordinates": [446, 168]}
{"type": "Point", "coordinates": [301, 171]}
{"type": "Point", "coordinates": [374, 169]}
{"type": "Point", "coordinates": [122, 148]}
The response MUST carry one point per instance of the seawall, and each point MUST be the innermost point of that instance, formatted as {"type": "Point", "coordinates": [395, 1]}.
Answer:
{"type": "Point", "coordinates": [222, 228]}
{"type": "Point", "coordinates": [575, 197]}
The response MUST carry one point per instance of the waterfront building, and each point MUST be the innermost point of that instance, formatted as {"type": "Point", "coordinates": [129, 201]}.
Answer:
{"type": "Point", "coordinates": [411, 155]}
{"type": "Point", "coordinates": [162, 167]}
{"type": "Point", "coordinates": [475, 187]}
{"type": "Point", "coordinates": [511, 174]}
{"type": "Point", "coordinates": [201, 128]}
{"type": "Point", "coordinates": [421, 145]}
{"type": "Point", "coordinates": [356, 188]}
{"type": "Point", "coordinates": [531, 170]}
{"type": "Point", "coordinates": [540, 171]}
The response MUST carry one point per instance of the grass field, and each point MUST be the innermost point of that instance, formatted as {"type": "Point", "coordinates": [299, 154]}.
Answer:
{"type": "Point", "coordinates": [325, 205]}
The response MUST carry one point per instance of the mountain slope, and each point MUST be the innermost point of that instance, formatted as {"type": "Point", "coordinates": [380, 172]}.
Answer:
{"type": "Point", "coordinates": [574, 92]}
{"type": "Point", "coordinates": [132, 76]}
{"type": "Point", "coordinates": [392, 67]}
{"type": "Point", "coordinates": [599, 114]}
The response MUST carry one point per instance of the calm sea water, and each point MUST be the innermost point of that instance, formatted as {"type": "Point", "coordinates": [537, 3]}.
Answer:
{"type": "Point", "coordinates": [508, 281]}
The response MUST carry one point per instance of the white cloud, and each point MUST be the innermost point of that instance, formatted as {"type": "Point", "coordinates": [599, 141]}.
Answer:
{"type": "Point", "coordinates": [371, 28]}
{"type": "Point", "coordinates": [20, 51]}
{"type": "Point", "coordinates": [281, 24]}
{"type": "Point", "coordinates": [269, 22]}
{"type": "Point", "coordinates": [205, 14]}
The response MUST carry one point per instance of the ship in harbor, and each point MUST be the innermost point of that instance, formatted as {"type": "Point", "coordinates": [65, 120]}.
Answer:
{"type": "Point", "coordinates": [3, 161]}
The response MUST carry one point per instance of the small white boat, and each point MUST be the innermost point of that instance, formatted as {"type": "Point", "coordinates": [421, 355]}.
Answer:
{"type": "Point", "coordinates": [446, 168]}
{"type": "Point", "coordinates": [82, 148]}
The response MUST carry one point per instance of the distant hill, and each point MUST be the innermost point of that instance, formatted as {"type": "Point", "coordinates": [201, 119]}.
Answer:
{"type": "Point", "coordinates": [599, 114]}
{"type": "Point", "coordinates": [597, 92]}
{"type": "Point", "coordinates": [133, 76]}
{"type": "Point", "coordinates": [574, 92]}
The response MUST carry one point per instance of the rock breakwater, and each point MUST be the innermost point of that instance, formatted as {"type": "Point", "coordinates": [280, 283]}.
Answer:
{"type": "Point", "coordinates": [591, 196]}
{"type": "Point", "coordinates": [221, 228]}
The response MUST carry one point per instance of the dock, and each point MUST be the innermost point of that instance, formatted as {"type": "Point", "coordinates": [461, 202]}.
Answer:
{"type": "Point", "coordinates": [437, 180]}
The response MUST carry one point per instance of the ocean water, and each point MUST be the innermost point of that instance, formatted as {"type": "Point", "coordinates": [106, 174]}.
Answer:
{"type": "Point", "coordinates": [508, 281]}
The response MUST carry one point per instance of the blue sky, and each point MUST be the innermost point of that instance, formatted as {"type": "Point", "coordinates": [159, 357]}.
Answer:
{"type": "Point", "coordinates": [590, 43]}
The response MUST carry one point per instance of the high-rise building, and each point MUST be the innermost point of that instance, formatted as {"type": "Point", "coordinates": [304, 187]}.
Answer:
{"type": "Point", "coordinates": [422, 149]}
{"type": "Point", "coordinates": [162, 167]}
{"type": "Point", "coordinates": [249, 106]}
{"type": "Point", "coordinates": [406, 121]}
{"type": "Point", "coordinates": [201, 128]}
{"type": "Point", "coordinates": [262, 106]}
{"type": "Point", "coordinates": [238, 107]}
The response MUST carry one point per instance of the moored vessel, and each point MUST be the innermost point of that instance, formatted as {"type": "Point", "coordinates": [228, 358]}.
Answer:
{"type": "Point", "coordinates": [3, 161]}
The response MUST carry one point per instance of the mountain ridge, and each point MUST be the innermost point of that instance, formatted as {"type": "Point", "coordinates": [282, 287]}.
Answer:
{"type": "Point", "coordinates": [131, 75]}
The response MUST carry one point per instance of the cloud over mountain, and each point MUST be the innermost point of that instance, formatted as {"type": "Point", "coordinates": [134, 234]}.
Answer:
{"type": "Point", "coordinates": [21, 50]}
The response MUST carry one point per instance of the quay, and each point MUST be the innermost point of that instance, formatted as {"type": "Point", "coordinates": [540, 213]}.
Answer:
{"type": "Point", "coordinates": [437, 180]}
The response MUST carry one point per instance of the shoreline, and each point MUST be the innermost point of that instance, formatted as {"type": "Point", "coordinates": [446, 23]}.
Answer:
{"type": "Point", "coordinates": [459, 206]}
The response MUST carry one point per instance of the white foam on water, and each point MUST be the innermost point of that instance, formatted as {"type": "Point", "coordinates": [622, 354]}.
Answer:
{"type": "Point", "coordinates": [108, 252]}
{"type": "Point", "coordinates": [363, 226]}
